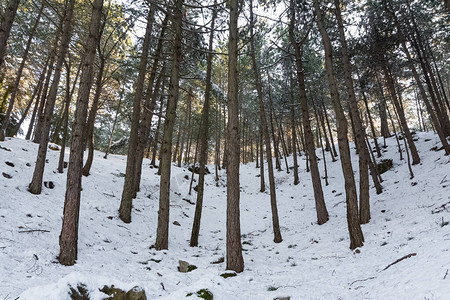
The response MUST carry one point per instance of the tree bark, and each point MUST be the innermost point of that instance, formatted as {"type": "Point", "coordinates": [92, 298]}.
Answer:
{"type": "Point", "coordinates": [128, 192]}
{"type": "Point", "coordinates": [391, 87]}
{"type": "Point", "coordinates": [162, 233]}
{"type": "Point", "coordinates": [68, 238]}
{"type": "Point", "coordinates": [6, 22]}
{"type": "Point", "coordinates": [364, 200]}
{"type": "Point", "coordinates": [234, 259]}
{"type": "Point", "coordinates": [321, 209]}
{"type": "Point", "coordinates": [354, 228]}
{"type": "Point", "coordinates": [35, 186]}
{"type": "Point", "coordinates": [151, 97]}
{"type": "Point", "coordinates": [265, 132]}
{"type": "Point", "coordinates": [90, 125]}
{"type": "Point", "coordinates": [5, 124]}
{"type": "Point", "coordinates": [67, 100]}
{"type": "Point", "coordinates": [204, 134]}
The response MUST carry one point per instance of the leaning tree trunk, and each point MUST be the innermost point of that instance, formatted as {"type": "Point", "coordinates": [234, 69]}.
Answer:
{"type": "Point", "coordinates": [354, 228]}
{"type": "Point", "coordinates": [391, 87]}
{"type": "Point", "coordinates": [36, 95]}
{"type": "Point", "coordinates": [15, 89]}
{"type": "Point", "coordinates": [68, 238]}
{"type": "Point", "coordinates": [321, 209]}
{"type": "Point", "coordinates": [128, 192]}
{"type": "Point", "coordinates": [162, 233]}
{"type": "Point", "coordinates": [35, 186]}
{"type": "Point", "coordinates": [234, 259]}
{"type": "Point", "coordinates": [6, 23]}
{"type": "Point", "coordinates": [204, 138]}
{"type": "Point", "coordinates": [423, 94]}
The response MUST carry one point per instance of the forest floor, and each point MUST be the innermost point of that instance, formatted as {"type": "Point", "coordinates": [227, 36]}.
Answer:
{"type": "Point", "coordinates": [410, 218]}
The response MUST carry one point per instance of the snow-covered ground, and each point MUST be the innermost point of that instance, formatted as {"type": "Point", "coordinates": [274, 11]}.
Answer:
{"type": "Point", "coordinates": [312, 262]}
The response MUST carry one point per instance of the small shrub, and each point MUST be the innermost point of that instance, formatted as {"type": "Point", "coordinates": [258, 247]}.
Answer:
{"type": "Point", "coordinates": [226, 275]}
{"type": "Point", "coordinates": [191, 268]}
{"type": "Point", "coordinates": [204, 294]}
{"type": "Point", "coordinates": [272, 288]}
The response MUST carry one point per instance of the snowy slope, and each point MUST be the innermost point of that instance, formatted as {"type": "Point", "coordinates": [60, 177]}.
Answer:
{"type": "Point", "coordinates": [312, 262]}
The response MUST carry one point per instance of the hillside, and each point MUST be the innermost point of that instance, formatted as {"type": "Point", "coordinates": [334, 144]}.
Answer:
{"type": "Point", "coordinates": [411, 216]}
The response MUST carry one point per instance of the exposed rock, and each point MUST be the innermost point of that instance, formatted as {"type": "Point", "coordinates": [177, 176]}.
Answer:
{"type": "Point", "coordinates": [384, 165]}
{"type": "Point", "coordinates": [6, 175]}
{"type": "Point", "coordinates": [135, 293]}
{"type": "Point", "coordinates": [185, 267]}
{"type": "Point", "coordinates": [53, 147]}
{"type": "Point", "coordinates": [282, 298]}
{"type": "Point", "coordinates": [9, 163]}
{"type": "Point", "coordinates": [49, 184]}
{"type": "Point", "coordinates": [196, 169]}
{"type": "Point", "coordinates": [176, 223]}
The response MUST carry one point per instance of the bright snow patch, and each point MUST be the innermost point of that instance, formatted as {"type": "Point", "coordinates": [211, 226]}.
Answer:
{"type": "Point", "coordinates": [312, 262]}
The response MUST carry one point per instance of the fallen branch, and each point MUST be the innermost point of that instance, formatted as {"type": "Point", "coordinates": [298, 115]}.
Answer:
{"type": "Point", "coordinates": [440, 208]}
{"type": "Point", "coordinates": [188, 201]}
{"type": "Point", "coordinates": [363, 280]}
{"type": "Point", "coordinates": [33, 230]}
{"type": "Point", "coordinates": [446, 273]}
{"type": "Point", "coordinates": [338, 203]}
{"type": "Point", "coordinates": [400, 259]}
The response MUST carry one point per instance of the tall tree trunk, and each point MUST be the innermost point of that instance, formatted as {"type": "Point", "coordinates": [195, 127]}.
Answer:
{"type": "Point", "coordinates": [294, 137]}
{"type": "Point", "coordinates": [15, 89]}
{"type": "Point", "coordinates": [128, 192]}
{"type": "Point", "coordinates": [234, 259]}
{"type": "Point", "coordinates": [265, 131]}
{"type": "Point", "coordinates": [262, 187]}
{"type": "Point", "coordinates": [43, 100]}
{"type": "Point", "coordinates": [321, 209]}
{"type": "Point", "coordinates": [354, 228]}
{"type": "Point", "coordinates": [204, 134]}
{"type": "Point", "coordinates": [364, 158]}
{"type": "Point", "coordinates": [151, 97]}
{"type": "Point", "coordinates": [68, 239]}
{"type": "Point", "coordinates": [162, 233]}
{"type": "Point", "coordinates": [35, 186]}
